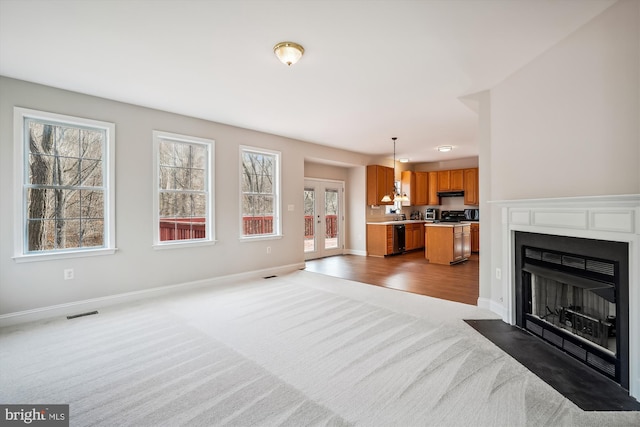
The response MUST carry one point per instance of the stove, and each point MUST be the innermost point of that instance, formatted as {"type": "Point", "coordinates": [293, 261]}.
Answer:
{"type": "Point", "coordinates": [452, 216]}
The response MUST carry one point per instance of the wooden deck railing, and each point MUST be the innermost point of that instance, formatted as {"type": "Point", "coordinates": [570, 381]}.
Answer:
{"type": "Point", "coordinates": [182, 229]}
{"type": "Point", "coordinates": [194, 228]}
{"type": "Point", "coordinates": [331, 226]}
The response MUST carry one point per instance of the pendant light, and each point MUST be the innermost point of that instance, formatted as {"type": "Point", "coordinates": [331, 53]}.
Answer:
{"type": "Point", "coordinates": [394, 196]}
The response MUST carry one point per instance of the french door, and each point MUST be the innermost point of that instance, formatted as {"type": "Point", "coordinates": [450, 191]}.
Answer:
{"type": "Point", "coordinates": [323, 218]}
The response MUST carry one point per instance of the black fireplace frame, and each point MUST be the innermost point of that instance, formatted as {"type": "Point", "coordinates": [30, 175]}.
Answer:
{"type": "Point", "coordinates": [617, 252]}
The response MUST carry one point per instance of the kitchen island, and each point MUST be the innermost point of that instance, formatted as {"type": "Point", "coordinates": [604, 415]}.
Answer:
{"type": "Point", "coordinates": [447, 243]}
{"type": "Point", "coordinates": [382, 241]}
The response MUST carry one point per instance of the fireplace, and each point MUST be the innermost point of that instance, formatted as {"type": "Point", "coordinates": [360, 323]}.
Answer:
{"type": "Point", "coordinates": [574, 294]}
{"type": "Point", "coordinates": [573, 278]}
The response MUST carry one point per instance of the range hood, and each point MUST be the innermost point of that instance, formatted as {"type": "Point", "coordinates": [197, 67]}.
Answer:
{"type": "Point", "coordinates": [451, 193]}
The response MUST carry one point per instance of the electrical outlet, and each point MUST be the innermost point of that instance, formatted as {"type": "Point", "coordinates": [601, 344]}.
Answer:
{"type": "Point", "coordinates": [268, 249]}
{"type": "Point", "coordinates": [68, 274]}
{"type": "Point", "coordinates": [498, 274]}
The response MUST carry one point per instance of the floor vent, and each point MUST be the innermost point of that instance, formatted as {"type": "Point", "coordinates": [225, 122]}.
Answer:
{"type": "Point", "coordinates": [82, 315]}
{"type": "Point", "coordinates": [269, 277]}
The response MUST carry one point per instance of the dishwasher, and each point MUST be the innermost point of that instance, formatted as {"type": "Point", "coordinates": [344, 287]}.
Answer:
{"type": "Point", "coordinates": [398, 239]}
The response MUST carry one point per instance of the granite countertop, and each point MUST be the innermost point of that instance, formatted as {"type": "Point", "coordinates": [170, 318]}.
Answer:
{"type": "Point", "coordinates": [406, 221]}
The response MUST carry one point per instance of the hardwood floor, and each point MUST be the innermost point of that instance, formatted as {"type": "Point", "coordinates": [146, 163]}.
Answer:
{"type": "Point", "coordinates": [409, 272]}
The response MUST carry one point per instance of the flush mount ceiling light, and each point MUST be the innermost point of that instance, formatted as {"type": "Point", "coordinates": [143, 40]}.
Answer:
{"type": "Point", "coordinates": [445, 148]}
{"type": "Point", "coordinates": [288, 52]}
{"type": "Point", "coordinates": [403, 160]}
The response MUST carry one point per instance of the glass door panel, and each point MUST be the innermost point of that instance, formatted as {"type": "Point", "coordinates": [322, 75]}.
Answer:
{"type": "Point", "coordinates": [309, 220]}
{"type": "Point", "coordinates": [331, 211]}
{"type": "Point", "coordinates": [323, 218]}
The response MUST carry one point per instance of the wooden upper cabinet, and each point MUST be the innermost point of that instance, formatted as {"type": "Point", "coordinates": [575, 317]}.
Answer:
{"type": "Point", "coordinates": [457, 180]}
{"type": "Point", "coordinates": [408, 187]}
{"type": "Point", "coordinates": [432, 195]}
{"type": "Point", "coordinates": [471, 193]}
{"type": "Point", "coordinates": [379, 183]}
{"type": "Point", "coordinates": [444, 180]}
{"type": "Point", "coordinates": [451, 180]}
{"type": "Point", "coordinates": [422, 188]}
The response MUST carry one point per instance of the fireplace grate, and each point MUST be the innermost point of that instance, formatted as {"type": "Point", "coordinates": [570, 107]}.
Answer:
{"type": "Point", "coordinates": [562, 341]}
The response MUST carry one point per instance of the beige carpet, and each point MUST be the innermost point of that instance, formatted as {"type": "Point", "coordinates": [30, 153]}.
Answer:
{"type": "Point", "coordinates": [302, 349]}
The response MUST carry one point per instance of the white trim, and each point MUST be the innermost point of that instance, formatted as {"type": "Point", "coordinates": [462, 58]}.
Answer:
{"type": "Point", "coordinates": [355, 252]}
{"type": "Point", "coordinates": [491, 305]}
{"type": "Point", "coordinates": [50, 256]}
{"type": "Point", "coordinates": [210, 230]}
{"type": "Point", "coordinates": [76, 307]}
{"type": "Point", "coordinates": [177, 244]}
{"type": "Point", "coordinates": [109, 153]}
{"type": "Point", "coordinates": [614, 218]}
{"type": "Point", "coordinates": [320, 186]}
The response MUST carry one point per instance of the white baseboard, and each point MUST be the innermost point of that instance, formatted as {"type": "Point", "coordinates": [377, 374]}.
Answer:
{"type": "Point", "coordinates": [92, 304]}
{"type": "Point", "coordinates": [355, 252]}
{"type": "Point", "coordinates": [491, 305]}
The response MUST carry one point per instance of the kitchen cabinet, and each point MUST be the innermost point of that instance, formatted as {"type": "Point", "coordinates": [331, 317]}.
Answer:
{"type": "Point", "coordinates": [444, 180]}
{"type": "Point", "coordinates": [432, 195]}
{"type": "Point", "coordinates": [451, 180]}
{"type": "Point", "coordinates": [380, 237]}
{"type": "Point", "coordinates": [379, 240]}
{"type": "Point", "coordinates": [379, 182]}
{"type": "Point", "coordinates": [475, 237]}
{"type": "Point", "coordinates": [422, 189]}
{"type": "Point", "coordinates": [471, 194]}
{"type": "Point", "coordinates": [447, 243]}
{"type": "Point", "coordinates": [414, 236]}
{"type": "Point", "coordinates": [418, 235]}
{"type": "Point", "coordinates": [408, 182]}
{"type": "Point", "coordinates": [457, 179]}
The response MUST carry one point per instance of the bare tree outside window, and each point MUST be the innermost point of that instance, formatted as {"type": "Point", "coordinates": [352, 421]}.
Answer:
{"type": "Point", "coordinates": [259, 193]}
{"type": "Point", "coordinates": [183, 190]}
{"type": "Point", "coordinates": [65, 186]}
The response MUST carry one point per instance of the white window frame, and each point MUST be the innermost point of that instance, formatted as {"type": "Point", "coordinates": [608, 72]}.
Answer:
{"type": "Point", "coordinates": [21, 253]}
{"type": "Point", "coordinates": [277, 205]}
{"type": "Point", "coordinates": [159, 136]}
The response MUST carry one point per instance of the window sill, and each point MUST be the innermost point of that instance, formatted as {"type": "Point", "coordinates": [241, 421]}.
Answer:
{"type": "Point", "coordinates": [177, 244]}
{"type": "Point", "coordinates": [255, 238]}
{"type": "Point", "coordinates": [63, 255]}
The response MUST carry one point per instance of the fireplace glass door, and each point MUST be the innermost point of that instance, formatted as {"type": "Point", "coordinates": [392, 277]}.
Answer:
{"type": "Point", "coordinates": [573, 293]}
{"type": "Point", "coordinates": [575, 309]}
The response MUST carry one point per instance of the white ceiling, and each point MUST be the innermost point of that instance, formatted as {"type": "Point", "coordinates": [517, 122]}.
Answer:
{"type": "Point", "coordinates": [371, 69]}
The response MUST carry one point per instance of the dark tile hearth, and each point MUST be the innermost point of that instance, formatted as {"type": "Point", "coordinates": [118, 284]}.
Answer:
{"type": "Point", "coordinates": [588, 389]}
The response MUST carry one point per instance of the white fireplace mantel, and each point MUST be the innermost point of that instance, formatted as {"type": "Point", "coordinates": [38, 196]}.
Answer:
{"type": "Point", "coordinates": [614, 218]}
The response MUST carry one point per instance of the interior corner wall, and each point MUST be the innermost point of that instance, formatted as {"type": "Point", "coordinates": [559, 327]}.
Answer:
{"type": "Point", "coordinates": [136, 266]}
{"type": "Point", "coordinates": [566, 124]}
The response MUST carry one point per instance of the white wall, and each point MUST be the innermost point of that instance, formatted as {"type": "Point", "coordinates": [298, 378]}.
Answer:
{"type": "Point", "coordinates": [137, 266]}
{"type": "Point", "coordinates": [566, 124]}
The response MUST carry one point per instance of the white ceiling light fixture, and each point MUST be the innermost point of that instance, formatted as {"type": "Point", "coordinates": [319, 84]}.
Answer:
{"type": "Point", "coordinates": [403, 160]}
{"type": "Point", "coordinates": [445, 148]}
{"type": "Point", "coordinates": [288, 52]}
